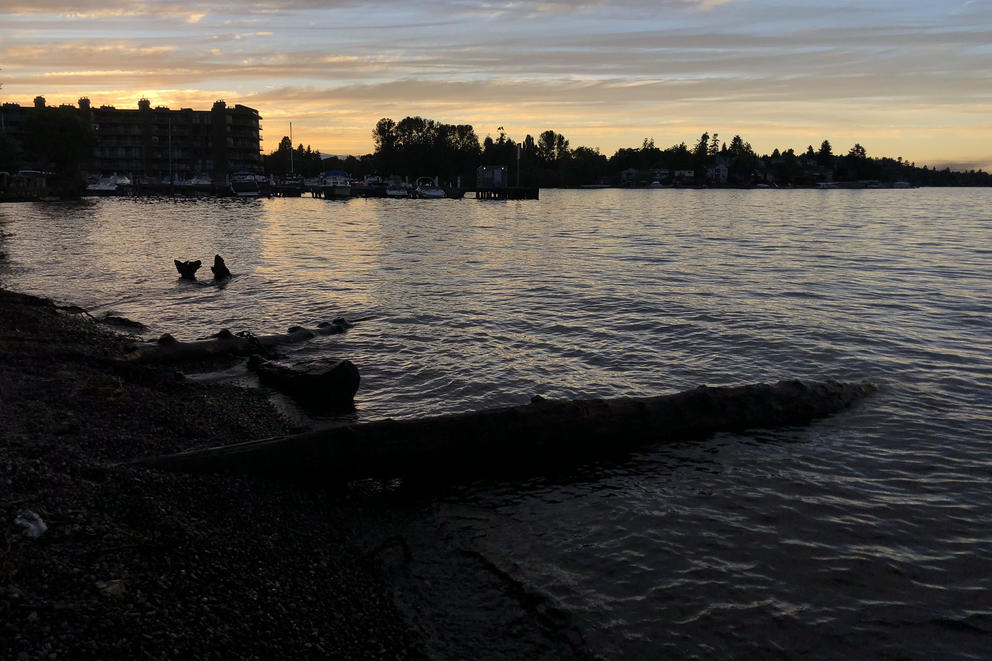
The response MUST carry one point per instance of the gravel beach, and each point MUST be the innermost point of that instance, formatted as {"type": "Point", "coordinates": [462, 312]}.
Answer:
{"type": "Point", "coordinates": [134, 563]}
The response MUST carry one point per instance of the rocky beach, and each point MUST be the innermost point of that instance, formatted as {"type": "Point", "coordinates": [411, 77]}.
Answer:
{"type": "Point", "coordinates": [105, 560]}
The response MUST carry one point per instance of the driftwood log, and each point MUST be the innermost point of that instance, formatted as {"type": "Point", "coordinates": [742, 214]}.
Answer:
{"type": "Point", "coordinates": [168, 349]}
{"type": "Point", "coordinates": [328, 389]}
{"type": "Point", "coordinates": [450, 446]}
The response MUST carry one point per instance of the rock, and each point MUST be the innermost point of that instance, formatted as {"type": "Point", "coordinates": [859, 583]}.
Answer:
{"type": "Point", "coordinates": [187, 270]}
{"type": "Point", "coordinates": [33, 525]}
{"type": "Point", "coordinates": [122, 322]}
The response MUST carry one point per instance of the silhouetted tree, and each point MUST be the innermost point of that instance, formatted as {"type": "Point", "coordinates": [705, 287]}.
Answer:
{"type": "Point", "coordinates": [714, 147]}
{"type": "Point", "coordinates": [58, 138]}
{"type": "Point", "coordinates": [585, 166]}
{"type": "Point", "coordinates": [551, 147]}
{"type": "Point", "coordinates": [278, 162]}
{"type": "Point", "coordinates": [702, 147]}
{"type": "Point", "coordinates": [423, 147]}
{"type": "Point", "coordinates": [61, 140]}
{"type": "Point", "coordinates": [856, 166]}
{"type": "Point", "coordinates": [826, 154]}
{"type": "Point", "coordinates": [10, 155]}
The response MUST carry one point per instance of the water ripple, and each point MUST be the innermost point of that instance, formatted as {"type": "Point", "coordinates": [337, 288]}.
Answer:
{"type": "Point", "coordinates": [867, 535]}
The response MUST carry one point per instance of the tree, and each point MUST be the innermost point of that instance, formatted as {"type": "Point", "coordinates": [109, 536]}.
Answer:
{"type": "Point", "coordinates": [743, 160]}
{"type": "Point", "coordinates": [702, 147]}
{"type": "Point", "coordinates": [714, 147]}
{"type": "Point", "coordinates": [10, 155]}
{"type": "Point", "coordinates": [856, 164]}
{"type": "Point", "coordinates": [385, 145]}
{"type": "Point", "coordinates": [586, 166]}
{"type": "Point", "coordinates": [826, 155]}
{"type": "Point", "coordinates": [423, 147]}
{"type": "Point", "coordinates": [59, 138]}
{"type": "Point", "coordinates": [279, 162]}
{"type": "Point", "coordinates": [551, 147]}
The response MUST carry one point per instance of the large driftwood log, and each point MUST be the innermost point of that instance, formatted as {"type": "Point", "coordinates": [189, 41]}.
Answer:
{"type": "Point", "coordinates": [543, 431]}
{"type": "Point", "coordinates": [328, 389]}
{"type": "Point", "coordinates": [168, 349]}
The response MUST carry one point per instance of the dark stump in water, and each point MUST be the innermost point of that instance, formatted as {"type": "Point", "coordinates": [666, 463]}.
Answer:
{"type": "Point", "coordinates": [220, 269]}
{"type": "Point", "coordinates": [187, 270]}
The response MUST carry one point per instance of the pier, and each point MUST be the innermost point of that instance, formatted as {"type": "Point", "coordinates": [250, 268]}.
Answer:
{"type": "Point", "coordinates": [506, 193]}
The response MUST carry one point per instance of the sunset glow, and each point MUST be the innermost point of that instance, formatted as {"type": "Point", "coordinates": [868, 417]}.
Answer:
{"type": "Point", "coordinates": [908, 79]}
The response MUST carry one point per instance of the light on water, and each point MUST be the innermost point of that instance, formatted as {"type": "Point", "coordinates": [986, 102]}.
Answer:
{"type": "Point", "coordinates": [866, 535]}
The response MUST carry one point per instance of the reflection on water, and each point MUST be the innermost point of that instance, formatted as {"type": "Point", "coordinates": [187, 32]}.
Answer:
{"type": "Point", "coordinates": [868, 535]}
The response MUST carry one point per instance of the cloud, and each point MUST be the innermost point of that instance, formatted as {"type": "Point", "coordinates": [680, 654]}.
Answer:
{"type": "Point", "coordinates": [620, 69]}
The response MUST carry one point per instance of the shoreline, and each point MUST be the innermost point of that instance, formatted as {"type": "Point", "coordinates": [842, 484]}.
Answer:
{"type": "Point", "coordinates": [136, 562]}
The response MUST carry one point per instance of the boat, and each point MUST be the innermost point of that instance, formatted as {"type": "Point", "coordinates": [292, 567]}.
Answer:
{"type": "Point", "coordinates": [246, 184]}
{"type": "Point", "coordinates": [334, 185]}
{"type": "Point", "coordinates": [199, 184]}
{"type": "Point", "coordinates": [397, 190]}
{"type": "Point", "coordinates": [109, 185]}
{"type": "Point", "coordinates": [428, 189]}
{"type": "Point", "coordinates": [370, 186]}
{"type": "Point", "coordinates": [290, 185]}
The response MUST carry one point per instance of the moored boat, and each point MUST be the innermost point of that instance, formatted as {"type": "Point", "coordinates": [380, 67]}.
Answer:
{"type": "Point", "coordinates": [397, 191]}
{"type": "Point", "coordinates": [290, 185]}
{"type": "Point", "coordinates": [334, 185]}
{"type": "Point", "coordinates": [428, 189]}
{"type": "Point", "coordinates": [247, 184]}
{"type": "Point", "coordinates": [109, 185]}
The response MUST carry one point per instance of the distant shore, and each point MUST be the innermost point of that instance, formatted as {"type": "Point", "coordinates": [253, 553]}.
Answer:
{"type": "Point", "coordinates": [191, 193]}
{"type": "Point", "coordinates": [136, 563]}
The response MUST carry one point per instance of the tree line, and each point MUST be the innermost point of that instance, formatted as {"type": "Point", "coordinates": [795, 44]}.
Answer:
{"type": "Point", "coordinates": [415, 147]}
{"type": "Point", "coordinates": [287, 160]}
{"type": "Point", "coordinates": [56, 140]}
{"type": "Point", "coordinates": [59, 140]}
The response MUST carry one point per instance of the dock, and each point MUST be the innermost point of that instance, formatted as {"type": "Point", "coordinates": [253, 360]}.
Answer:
{"type": "Point", "coordinates": [506, 193]}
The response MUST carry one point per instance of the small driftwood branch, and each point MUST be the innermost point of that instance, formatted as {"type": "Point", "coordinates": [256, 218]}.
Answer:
{"type": "Point", "coordinates": [168, 349]}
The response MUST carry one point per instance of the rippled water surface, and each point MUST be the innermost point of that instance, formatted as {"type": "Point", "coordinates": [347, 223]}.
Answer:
{"type": "Point", "coordinates": [866, 535]}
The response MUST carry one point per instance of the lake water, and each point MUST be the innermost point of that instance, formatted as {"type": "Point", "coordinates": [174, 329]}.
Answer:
{"type": "Point", "coordinates": [865, 535]}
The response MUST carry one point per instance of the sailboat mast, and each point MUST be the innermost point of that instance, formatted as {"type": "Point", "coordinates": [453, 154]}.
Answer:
{"type": "Point", "coordinates": [291, 170]}
{"type": "Point", "coordinates": [172, 180]}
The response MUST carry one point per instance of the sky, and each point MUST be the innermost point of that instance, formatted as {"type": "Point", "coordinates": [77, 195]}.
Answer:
{"type": "Point", "coordinates": [909, 78]}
